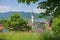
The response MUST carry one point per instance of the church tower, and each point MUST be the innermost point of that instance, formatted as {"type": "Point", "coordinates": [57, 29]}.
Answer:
{"type": "Point", "coordinates": [32, 18]}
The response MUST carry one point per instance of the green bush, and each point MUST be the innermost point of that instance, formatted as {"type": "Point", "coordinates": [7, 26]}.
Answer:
{"type": "Point", "coordinates": [15, 23]}
{"type": "Point", "coordinates": [56, 28]}
{"type": "Point", "coordinates": [56, 25]}
{"type": "Point", "coordinates": [48, 35]}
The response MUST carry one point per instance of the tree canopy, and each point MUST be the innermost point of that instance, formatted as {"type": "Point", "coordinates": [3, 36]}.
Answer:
{"type": "Point", "coordinates": [27, 1]}
{"type": "Point", "coordinates": [16, 23]}
{"type": "Point", "coordinates": [51, 6]}
{"type": "Point", "coordinates": [56, 25]}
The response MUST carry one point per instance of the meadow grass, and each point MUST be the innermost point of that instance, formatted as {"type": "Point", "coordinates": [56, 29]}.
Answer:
{"type": "Point", "coordinates": [19, 36]}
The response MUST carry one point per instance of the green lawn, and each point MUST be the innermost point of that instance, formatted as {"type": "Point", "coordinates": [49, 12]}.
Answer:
{"type": "Point", "coordinates": [19, 36]}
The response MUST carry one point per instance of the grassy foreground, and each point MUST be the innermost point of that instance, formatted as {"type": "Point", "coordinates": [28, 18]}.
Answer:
{"type": "Point", "coordinates": [19, 36]}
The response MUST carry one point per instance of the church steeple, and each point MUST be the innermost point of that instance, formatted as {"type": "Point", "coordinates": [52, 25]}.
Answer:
{"type": "Point", "coordinates": [32, 17]}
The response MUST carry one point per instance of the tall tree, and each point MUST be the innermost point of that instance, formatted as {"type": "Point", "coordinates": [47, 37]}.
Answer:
{"type": "Point", "coordinates": [5, 23]}
{"type": "Point", "coordinates": [52, 6]}
{"type": "Point", "coordinates": [17, 23]}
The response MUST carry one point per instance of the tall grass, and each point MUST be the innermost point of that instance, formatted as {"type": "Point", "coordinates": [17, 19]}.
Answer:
{"type": "Point", "coordinates": [29, 36]}
{"type": "Point", "coordinates": [19, 36]}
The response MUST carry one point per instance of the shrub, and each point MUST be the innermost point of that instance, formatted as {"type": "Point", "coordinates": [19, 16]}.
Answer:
{"type": "Point", "coordinates": [56, 25]}
{"type": "Point", "coordinates": [15, 23]}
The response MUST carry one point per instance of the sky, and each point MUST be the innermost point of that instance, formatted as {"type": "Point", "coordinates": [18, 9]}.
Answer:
{"type": "Point", "coordinates": [13, 5]}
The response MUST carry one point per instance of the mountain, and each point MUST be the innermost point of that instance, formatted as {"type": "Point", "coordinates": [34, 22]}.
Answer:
{"type": "Point", "coordinates": [24, 15]}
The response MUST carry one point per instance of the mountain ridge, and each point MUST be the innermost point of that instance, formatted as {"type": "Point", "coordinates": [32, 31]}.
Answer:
{"type": "Point", "coordinates": [24, 15]}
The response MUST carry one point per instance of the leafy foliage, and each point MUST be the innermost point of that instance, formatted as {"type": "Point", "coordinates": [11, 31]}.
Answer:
{"type": "Point", "coordinates": [52, 6]}
{"type": "Point", "coordinates": [27, 1]}
{"type": "Point", "coordinates": [16, 23]}
{"type": "Point", "coordinates": [5, 23]}
{"type": "Point", "coordinates": [56, 24]}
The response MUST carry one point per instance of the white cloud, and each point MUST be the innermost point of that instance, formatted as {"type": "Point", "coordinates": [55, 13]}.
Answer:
{"type": "Point", "coordinates": [4, 9]}
{"type": "Point", "coordinates": [7, 9]}
{"type": "Point", "coordinates": [35, 10]}
{"type": "Point", "coordinates": [39, 10]}
{"type": "Point", "coordinates": [15, 10]}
